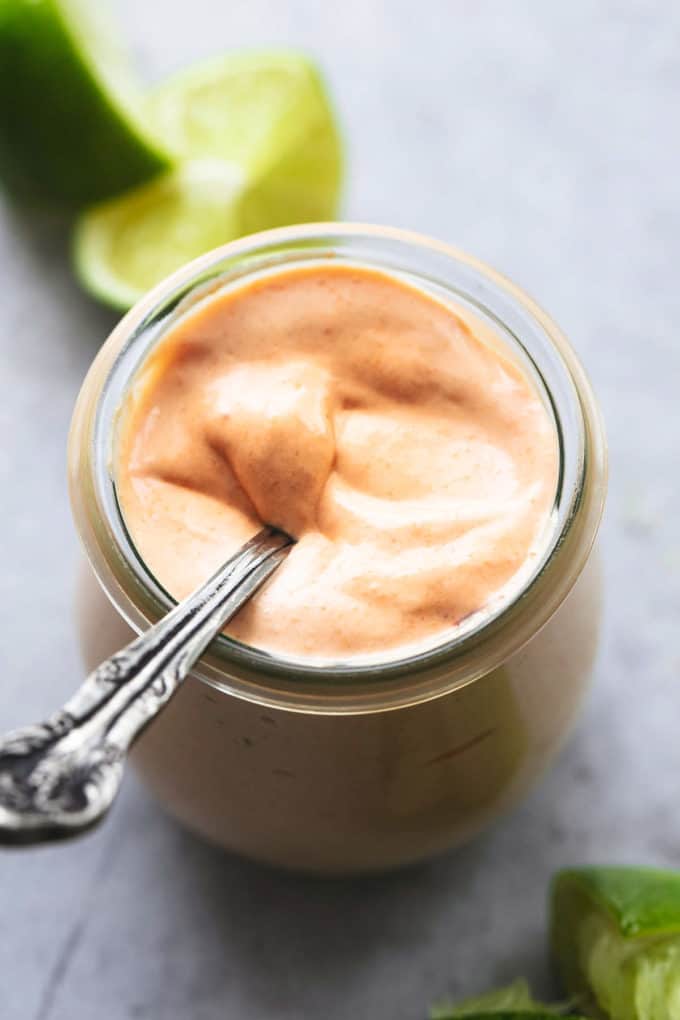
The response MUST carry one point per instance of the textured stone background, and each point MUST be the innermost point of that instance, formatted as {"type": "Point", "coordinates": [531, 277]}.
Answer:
{"type": "Point", "coordinates": [543, 138]}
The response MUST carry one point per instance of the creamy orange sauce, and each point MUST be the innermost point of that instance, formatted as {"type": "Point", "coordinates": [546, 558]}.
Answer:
{"type": "Point", "coordinates": [393, 435]}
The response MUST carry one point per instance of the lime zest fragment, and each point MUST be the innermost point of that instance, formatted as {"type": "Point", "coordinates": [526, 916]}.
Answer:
{"type": "Point", "coordinates": [514, 1000]}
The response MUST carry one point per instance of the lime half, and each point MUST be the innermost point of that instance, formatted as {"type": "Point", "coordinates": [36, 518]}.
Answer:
{"type": "Point", "coordinates": [258, 147]}
{"type": "Point", "coordinates": [70, 128]}
{"type": "Point", "coordinates": [616, 937]}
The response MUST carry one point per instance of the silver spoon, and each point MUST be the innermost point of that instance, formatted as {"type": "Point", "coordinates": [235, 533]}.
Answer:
{"type": "Point", "coordinates": [60, 777]}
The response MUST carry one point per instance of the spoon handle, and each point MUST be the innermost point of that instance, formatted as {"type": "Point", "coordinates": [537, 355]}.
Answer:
{"type": "Point", "coordinates": [59, 777]}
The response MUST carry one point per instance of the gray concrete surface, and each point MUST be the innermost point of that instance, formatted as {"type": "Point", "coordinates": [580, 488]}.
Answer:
{"type": "Point", "coordinates": [543, 138]}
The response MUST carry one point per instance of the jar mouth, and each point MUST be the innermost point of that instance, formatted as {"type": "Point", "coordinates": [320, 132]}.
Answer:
{"type": "Point", "coordinates": [355, 684]}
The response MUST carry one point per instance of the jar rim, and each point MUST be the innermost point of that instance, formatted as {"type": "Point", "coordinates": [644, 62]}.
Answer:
{"type": "Point", "coordinates": [352, 687]}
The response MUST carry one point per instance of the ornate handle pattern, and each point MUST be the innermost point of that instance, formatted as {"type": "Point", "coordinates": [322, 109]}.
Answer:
{"type": "Point", "coordinates": [60, 777]}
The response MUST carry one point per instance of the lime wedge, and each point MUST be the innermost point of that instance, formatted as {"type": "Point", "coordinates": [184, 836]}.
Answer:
{"type": "Point", "coordinates": [269, 113]}
{"type": "Point", "coordinates": [70, 128]}
{"type": "Point", "coordinates": [124, 246]}
{"type": "Point", "coordinates": [616, 937]}
{"type": "Point", "coordinates": [514, 1001]}
{"type": "Point", "coordinates": [259, 147]}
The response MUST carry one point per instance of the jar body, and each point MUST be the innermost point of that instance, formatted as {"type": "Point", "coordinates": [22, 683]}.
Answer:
{"type": "Point", "coordinates": [337, 794]}
{"type": "Point", "coordinates": [332, 770]}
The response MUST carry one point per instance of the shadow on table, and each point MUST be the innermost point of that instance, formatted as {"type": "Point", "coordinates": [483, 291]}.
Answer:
{"type": "Point", "coordinates": [41, 238]}
{"type": "Point", "coordinates": [287, 945]}
{"type": "Point", "coordinates": [313, 932]}
{"type": "Point", "coordinates": [299, 945]}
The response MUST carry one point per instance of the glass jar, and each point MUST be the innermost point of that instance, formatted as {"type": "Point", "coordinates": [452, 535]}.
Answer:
{"type": "Point", "coordinates": [362, 766]}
